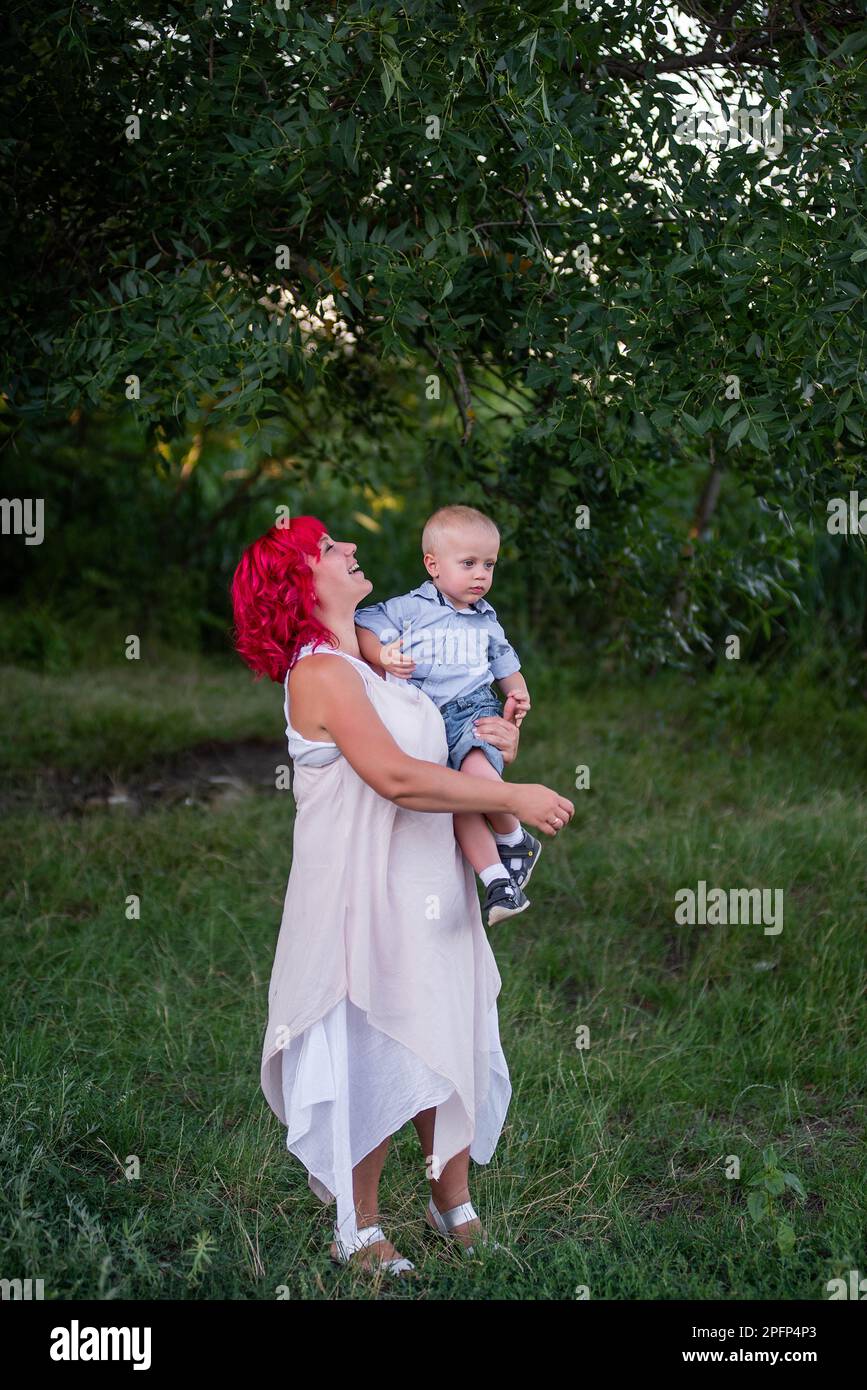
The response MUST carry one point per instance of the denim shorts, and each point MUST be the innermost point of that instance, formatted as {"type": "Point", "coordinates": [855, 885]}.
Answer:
{"type": "Point", "coordinates": [459, 716]}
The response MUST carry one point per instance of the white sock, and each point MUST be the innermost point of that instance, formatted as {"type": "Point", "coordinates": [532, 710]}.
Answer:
{"type": "Point", "coordinates": [514, 837]}
{"type": "Point", "coordinates": [491, 872]}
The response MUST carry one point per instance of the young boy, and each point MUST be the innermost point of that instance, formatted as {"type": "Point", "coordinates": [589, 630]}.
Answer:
{"type": "Point", "coordinates": [445, 638]}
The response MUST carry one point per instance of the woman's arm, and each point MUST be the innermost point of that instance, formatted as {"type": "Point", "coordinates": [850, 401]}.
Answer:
{"type": "Point", "coordinates": [329, 695]}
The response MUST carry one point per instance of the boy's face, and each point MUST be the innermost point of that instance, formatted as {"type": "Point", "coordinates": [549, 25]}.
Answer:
{"type": "Point", "coordinates": [463, 564]}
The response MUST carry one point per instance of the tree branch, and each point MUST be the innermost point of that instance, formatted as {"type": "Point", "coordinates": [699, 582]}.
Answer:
{"type": "Point", "coordinates": [742, 53]}
{"type": "Point", "coordinates": [460, 393]}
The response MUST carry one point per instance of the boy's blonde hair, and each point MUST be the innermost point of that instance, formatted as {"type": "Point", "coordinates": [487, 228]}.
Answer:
{"type": "Point", "coordinates": [450, 518]}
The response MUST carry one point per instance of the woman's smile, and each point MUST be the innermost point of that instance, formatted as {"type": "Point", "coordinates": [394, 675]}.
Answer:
{"type": "Point", "coordinates": [334, 549]}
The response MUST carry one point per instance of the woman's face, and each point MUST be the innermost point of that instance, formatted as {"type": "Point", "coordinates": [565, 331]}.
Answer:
{"type": "Point", "coordinates": [339, 579]}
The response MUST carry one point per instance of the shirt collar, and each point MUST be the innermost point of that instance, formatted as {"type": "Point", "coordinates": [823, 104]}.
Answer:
{"type": "Point", "coordinates": [430, 591]}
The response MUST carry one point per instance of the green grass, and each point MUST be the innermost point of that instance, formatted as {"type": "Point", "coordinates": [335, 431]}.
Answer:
{"type": "Point", "coordinates": [143, 1037]}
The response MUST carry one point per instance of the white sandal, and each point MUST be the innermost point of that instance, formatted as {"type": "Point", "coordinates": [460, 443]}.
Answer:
{"type": "Point", "coordinates": [446, 1221]}
{"type": "Point", "coordinates": [369, 1235]}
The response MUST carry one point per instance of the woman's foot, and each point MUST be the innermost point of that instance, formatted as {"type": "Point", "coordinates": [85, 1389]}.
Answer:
{"type": "Point", "coordinates": [370, 1256]}
{"type": "Point", "coordinates": [468, 1232]}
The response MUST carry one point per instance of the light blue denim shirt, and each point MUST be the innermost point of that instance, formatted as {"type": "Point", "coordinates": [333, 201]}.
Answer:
{"type": "Point", "coordinates": [455, 650]}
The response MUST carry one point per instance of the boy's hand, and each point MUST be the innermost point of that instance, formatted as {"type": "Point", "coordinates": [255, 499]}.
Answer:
{"type": "Point", "coordinates": [519, 706]}
{"type": "Point", "coordinates": [392, 659]}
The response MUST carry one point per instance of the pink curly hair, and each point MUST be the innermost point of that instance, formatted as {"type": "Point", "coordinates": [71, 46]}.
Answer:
{"type": "Point", "coordinates": [273, 596]}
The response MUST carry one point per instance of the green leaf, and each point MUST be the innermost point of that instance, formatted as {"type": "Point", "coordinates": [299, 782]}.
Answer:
{"type": "Point", "coordinates": [738, 431]}
{"type": "Point", "coordinates": [770, 84]}
{"type": "Point", "coordinates": [641, 428]}
{"type": "Point", "coordinates": [853, 43]}
{"type": "Point", "coordinates": [363, 49]}
{"type": "Point", "coordinates": [757, 1206]}
{"type": "Point", "coordinates": [794, 1182]}
{"type": "Point", "coordinates": [693, 424]}
{"type": "Point", "coordinates": [386, 77]}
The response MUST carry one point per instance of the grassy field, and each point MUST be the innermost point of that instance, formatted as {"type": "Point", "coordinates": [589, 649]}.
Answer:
{"type": "Point", "coordinates": [142, 1038]}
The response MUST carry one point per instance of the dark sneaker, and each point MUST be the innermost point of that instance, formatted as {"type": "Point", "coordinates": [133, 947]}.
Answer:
{"type": "Point", "coordinates": [521, 859]}
{"type": "Point", "coordinates": [503, 898]}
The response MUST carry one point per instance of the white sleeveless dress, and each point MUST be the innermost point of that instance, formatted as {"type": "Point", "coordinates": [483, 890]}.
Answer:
{"type": "Point", "coordinates": [383, 992]}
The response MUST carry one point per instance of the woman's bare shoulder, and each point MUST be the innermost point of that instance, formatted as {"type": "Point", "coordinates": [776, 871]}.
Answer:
{"type": "Point", "coordinates": [316, 683]}
{"type": "Point", "coordinates": [319, 671]}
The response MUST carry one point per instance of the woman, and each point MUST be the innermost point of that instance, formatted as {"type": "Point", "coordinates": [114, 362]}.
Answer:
{"type": "Point", "coordinates": [382, 1002]}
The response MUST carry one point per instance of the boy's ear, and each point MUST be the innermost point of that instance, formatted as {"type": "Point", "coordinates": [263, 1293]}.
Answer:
{"type": "Point", "coordinates": [430, 564]}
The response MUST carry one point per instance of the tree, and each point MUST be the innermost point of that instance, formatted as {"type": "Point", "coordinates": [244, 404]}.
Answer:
{"type": "Point", "coordinates": [212, 209]}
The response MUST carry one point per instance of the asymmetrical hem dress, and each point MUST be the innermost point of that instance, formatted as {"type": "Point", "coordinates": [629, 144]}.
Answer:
{"type": "Point", "coordinates": [383, 992]}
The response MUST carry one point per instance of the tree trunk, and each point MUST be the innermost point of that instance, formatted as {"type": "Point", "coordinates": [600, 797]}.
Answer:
{"type": "Point", "coordinates": [700, 522]}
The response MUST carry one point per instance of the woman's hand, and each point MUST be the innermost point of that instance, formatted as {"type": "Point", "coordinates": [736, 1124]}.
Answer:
{"type": "Point", "coordinates": [500, 731]}
{"type": "Point", "coordinates": [540, 806]}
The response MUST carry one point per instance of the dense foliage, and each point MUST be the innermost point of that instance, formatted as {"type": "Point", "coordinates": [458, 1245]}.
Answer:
{"type": "Point", "coordinates": [475, 238]}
